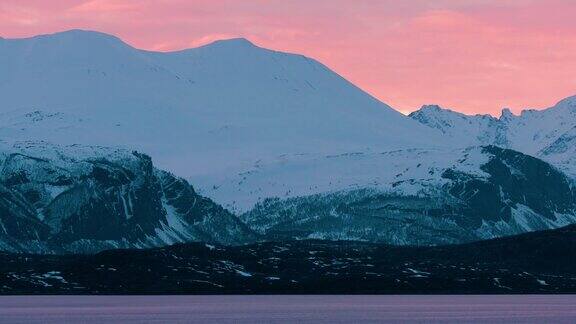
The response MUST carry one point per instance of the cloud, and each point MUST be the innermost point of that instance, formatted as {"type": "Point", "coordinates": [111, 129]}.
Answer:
{"type": "Point", "coordinates": [99, 6]}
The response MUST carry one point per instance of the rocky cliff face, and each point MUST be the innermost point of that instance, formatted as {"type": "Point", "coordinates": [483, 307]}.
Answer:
{"type": "Point", "coordinates": [506, 193]}
{"type": "Point", "coordinates": [86, 199]}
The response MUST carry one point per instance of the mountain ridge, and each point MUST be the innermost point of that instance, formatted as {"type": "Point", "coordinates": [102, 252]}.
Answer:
{"type": "Point", "coordinates": [212, 100]}
{"type": "Point", "coordinates": [532, 263]}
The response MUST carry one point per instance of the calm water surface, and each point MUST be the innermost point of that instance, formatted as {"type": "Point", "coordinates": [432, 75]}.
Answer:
{"type": "Point", "coordinates": [288, 309]}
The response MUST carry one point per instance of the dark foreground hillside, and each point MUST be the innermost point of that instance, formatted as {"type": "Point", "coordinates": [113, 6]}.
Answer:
{"type": "Point", "coordinates": [540, 262]}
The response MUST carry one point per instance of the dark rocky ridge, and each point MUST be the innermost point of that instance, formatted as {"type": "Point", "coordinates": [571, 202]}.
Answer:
{"type": "Point", "coordinates": [539, 262]}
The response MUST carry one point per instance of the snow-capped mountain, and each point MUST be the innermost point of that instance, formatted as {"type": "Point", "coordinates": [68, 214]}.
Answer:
{"type": "Point", "coordinates": [86, 199]}
{"type": "Point", "coordinates": [465, 130]}
{"type": "Point", "coordinates": [203, 113]}
{"type": "Point", "coordinates": [549, 134]}
{"type": "Point", "coordinates": [415, 197]}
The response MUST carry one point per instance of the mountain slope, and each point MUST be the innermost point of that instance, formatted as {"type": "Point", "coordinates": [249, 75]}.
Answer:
{"type": "Point", "coordinates": [422, 198]}
{"type": "Point", "coordinates": [227, 99]}
{"type": "Point", "coordinates": [529, 263]}
{"type": "Point", "coordinates": [86, 199]}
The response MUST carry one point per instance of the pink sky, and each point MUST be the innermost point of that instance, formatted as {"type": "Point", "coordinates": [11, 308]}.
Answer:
{"type": "Point", "coordinates": [474, 56]}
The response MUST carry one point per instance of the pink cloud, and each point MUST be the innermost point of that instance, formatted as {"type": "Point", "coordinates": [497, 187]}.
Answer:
{"type": "Point", "coordinates": [471, 55]}
{"type": "Point", "coordinates": [96, 6]}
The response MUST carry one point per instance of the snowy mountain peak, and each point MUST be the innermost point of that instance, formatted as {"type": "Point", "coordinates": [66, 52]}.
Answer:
{"type": "Point", "coordinates": [81, 33]}
{"type": "Point", "coordinates": [466, 130]}
{"type": "Point", "coordinates": [434, 116]}
{"type": "Point", "coordinates": [442, 118]}
{"type": "Point", "coordinates": [568, 103]}
{"type": "Point", "coordinates": [233, 42]}
{"type": "Point", "coordinates": [437, 111]}
{"type": "Point", "coordinates": [39, 56]}
{"type": "Point", "coordinates": [74, 37]}
{"type": "Point", "coordinates": [434, 108]}
{"type": "Point", "coordinates": [228, 48]}
{"type": "Point", "coordinates": [569, 100]}
{"type": "Point", "coordinates": [506, 114]}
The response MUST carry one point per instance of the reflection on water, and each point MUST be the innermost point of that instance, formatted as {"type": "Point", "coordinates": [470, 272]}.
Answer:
{"type": "Point", "coordinates": [288, 309]}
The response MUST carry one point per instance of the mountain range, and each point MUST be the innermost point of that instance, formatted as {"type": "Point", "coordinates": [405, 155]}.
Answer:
{"type": "Point", "coordinates": [250, 145]}
{"type": "Point", "coordinates": [549, 134]}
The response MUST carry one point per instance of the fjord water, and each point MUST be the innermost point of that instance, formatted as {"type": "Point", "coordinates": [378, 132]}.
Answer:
{"type": "Point", "coordinates": [289, 309]}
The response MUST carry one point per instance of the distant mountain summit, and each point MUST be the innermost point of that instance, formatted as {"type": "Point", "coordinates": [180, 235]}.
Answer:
{"type": "Point", "coordinates": [233, 42]}
{"type": "Point", "coordinates": [548, 134]}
